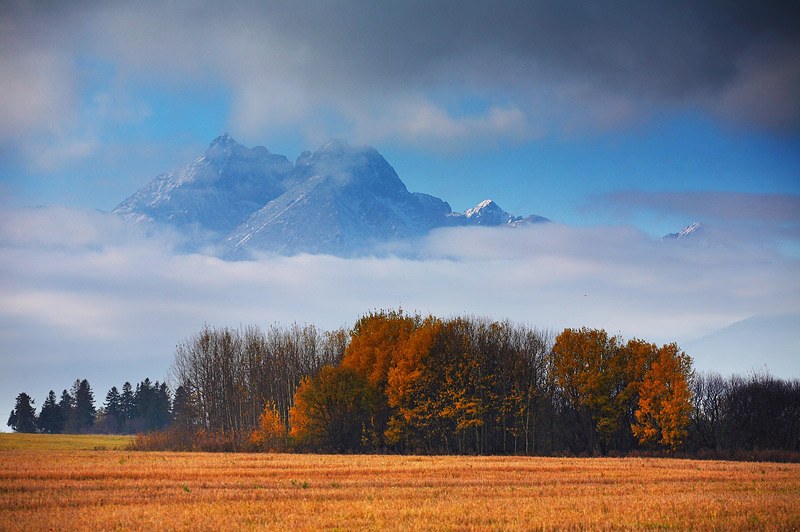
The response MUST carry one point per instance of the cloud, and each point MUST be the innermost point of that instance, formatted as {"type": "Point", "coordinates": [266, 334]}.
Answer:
{"type": "Point", "coordinates": [731, 218]}
{"type": "Point", "coordinates": [340, 65]}
{"type": "Point", "coordinates": [768, 75]}
{"type": "Point", "coordinates": [712, 204]}
{"type": "Point", "coordinates": [421, 123]}
{"type": "Point", "coordinates": [742, 220]}
{"type": "Point", "coordinates": [83, 275]}
{"type": "Point", "coordinates": [38, 92]}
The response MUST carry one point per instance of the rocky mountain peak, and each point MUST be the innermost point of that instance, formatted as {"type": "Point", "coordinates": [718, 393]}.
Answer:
{"type": "Point", "coordinates": [488, 212]}
{"type": "Point", "coordinates": [340, 199]}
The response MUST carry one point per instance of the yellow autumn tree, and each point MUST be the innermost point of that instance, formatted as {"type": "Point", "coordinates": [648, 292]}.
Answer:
{"type": "Point", "coordinates": [271, 432]}
{"type": "Point", "coordinates": [665, 407]}
{"type": "Point", "coordinates": [374, 340]}
{"type": "Point", "coordinates": [589, 368]}
{"type": "Point", "coordinates": [460, 393]}
{"type": "Point", "coordinates": [412, 410]}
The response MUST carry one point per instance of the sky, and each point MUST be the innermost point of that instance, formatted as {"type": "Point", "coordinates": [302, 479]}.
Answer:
{"type": "Point", "coordinates": [620, 122]}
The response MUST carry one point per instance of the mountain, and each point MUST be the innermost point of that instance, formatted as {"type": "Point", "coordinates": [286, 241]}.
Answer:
{"type": "Point", "coordinates": [690, 231]}
{"type": "Point", "coordinates": [488, 213]}
{"type": "Point", "coordinates": [339, 200]}
{"type": "Point", "coordinates": [345, 201]}
{"type": "Point", "coordinates": [208, 197]}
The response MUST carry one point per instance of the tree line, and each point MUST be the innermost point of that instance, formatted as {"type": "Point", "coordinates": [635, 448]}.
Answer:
{"type": "Point", "coordinates": [411, 384]}
{"type": "Point", "coordinates": [148, 407]}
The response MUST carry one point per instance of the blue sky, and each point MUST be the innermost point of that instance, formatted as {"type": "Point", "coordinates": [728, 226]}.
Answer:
{"type": "Point", "coordinates": [630, 117]}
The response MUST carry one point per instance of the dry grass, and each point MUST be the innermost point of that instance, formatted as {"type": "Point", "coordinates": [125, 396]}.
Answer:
{"type": "Point", "coordinates": [121, 490]}
{"type": "Point", "coordinates": [63, 442]}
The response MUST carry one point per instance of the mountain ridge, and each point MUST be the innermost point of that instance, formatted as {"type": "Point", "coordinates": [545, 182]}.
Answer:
{"type": "Point", "coordinates": [339, 200]}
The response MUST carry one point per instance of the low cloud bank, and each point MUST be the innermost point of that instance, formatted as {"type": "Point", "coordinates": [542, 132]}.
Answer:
{"type": "Point", "coordinates": [81, 292]}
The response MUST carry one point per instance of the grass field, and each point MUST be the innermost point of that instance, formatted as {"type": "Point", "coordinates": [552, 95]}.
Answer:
{"type": "Point", "coordinates": [47, 489]}
{"type": "Point", "coordinates": [63, 442]}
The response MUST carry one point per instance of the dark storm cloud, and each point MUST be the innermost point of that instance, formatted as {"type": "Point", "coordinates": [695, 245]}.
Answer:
{"type": "Point", "coordinates": [669, 49]}
{"type": "Point", "coordinates": [681, 52]}
{"type": "Point", "coordinates": [405, 69]}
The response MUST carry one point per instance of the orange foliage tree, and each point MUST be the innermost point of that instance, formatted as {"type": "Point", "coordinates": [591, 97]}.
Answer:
{"type": "Point", "coordinates": [375, 342]}
{"type": "Point", "coordinates": [665, 407]}
{"type": "Point", "coordinates": [271, 433]}
{"type": "Point", "coordinates": [623, 395]}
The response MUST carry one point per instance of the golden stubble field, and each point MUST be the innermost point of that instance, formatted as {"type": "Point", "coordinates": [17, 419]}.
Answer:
{"type": "Point", "coordinates": [50, 489]}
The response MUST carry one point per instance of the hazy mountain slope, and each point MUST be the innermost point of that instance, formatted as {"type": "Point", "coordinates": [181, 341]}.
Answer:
{"type": "Point", "coordinates": [346, 200]}
{"type": "Point", "coordinates": [208, 197]}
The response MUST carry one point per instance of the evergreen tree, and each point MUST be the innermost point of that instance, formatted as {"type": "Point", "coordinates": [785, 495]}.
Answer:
{"type": "Point", "coordinates": [113, 409]}
{"type": "Point", "coordinates": [152, 405]}
{"type": "Point", "coordinates": [144, 405]}
{"type": "Point", "coordinates": [160, 416]}
{"type": "Point", "coordinates": [66, 403]}
{"type": "Point", "coordinates": [51, 418]}
{"type": "Point", "coordinates": [127, 406]}
{"type": "Point", "coordinates": [23, 417]}
{"type": "Point", "coordinates": [84, 410]}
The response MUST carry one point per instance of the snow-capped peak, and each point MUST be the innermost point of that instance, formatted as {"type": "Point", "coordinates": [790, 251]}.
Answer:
{"type": "Point", "coordinates": [488, 212]}
{"type": "Point", "coordinates": [482, 205]}
{"type": "Point", "coordinates": [690, 230]}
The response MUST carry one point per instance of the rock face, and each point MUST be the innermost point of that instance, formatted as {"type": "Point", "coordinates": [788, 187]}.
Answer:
{"type": "Point", "coordinates": [338, 200]}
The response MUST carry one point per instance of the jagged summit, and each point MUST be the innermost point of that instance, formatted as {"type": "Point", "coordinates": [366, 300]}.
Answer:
{"type": "Point", "coordinates": [488, 212]}
{"type": "Point", "coordinates": [340, 199]}
{"type": "Point", "coordinates": [691, 230]}
{"type": "Point", "coordinates": [223, 147]}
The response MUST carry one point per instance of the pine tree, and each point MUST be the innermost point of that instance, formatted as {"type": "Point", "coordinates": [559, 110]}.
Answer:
{"type": "Point", "coordinates": [161, 406]}
{"type": "Point", "coordinates": [144, 405]}
{"type": "Point", "coordinates": [23, 417]}
{"type": "Point", "coordinates": [84, 411]}
{"type": "Point", "coordinates": [66, 403]}
{"type": "Point", "coordinates": [51, 418]}
{"type": "Point", "coordinates": [127, 406]}
{"type": "Point", "coordinates": [113, 409]}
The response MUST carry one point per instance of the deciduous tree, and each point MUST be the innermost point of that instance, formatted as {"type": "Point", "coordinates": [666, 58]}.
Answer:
{"type": "Point", "coordinates": [591, 374]}
{"type": "Point", "coordinates": [333, 410]}
{"type": "Point", "coordinates": [271, 434]}
{"type": "Point", "coordinates": [665, 406]}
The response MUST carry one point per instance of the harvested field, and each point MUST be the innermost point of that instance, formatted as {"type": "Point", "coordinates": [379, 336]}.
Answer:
{"type": "Point", "coordinates": [64, 442]}
{"type": "Point", "coordinates": [121, 490]}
